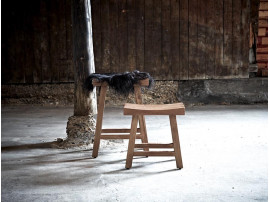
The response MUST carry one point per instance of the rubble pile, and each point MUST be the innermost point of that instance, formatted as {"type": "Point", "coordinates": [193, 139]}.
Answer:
{"type": "Point", "coordinates": [80, 131]}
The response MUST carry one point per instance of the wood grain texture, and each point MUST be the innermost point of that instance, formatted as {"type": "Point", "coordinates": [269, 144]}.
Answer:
{"type": "Point", "coordinates": [27, 65]}
{"type": "Point", "coordinates": [120, 137]}
{"type": "Point", "coordinates": [123, 34]}
{"type": "Point", "coordinates": [154, 153]}
{"type": "Point", "coordinates": [84, 103]}
{"type": "Point", "coordinates": [153, 38]}
{"type": "Point", "coordinates": [63, 60]}
{"type": "Point", "coordinates": [54, 37]}
{"type": "Point", "coordinates": [131, 27]}
{"type": "Point", "coordinates": [156, 40]}
{"type": "Point", "coordinates": [148, 36]}
{"type": "Point", "coordinates": [166, 54]}
{"type": "Point", "coordinates": [210, 40]}
{"type": "Point", "coordinates": [138, 100]}
{"type": "Point", "coordinates": [201, 54]}
{"type": "Point", "coordinates": [245, 19]}
{"type": "Point", "coordinates": [193, 40]}
{"type": "Point", "coordinates": [140, 29]}
{"type": "Point", "coordinates": [138, 109]}
{"type": "Point", "coordinates": [38, 36]}
{"type": "Point", "coordinates": [117, 130]}
{"type": "Point", "coordinates": [114, 37]}
{"type": "Point", "coordinates": [227, 43]}
{"type": "Point", "coordinates": [175, 45]}
{"type": "Point", "coordinates": [109, 133]}
{"type": "Point", "coordinates": [69, 62]}
{"type": "Point", "coordinates": [163, 109]}
{"type": "Point", "coordinates": [236, 38]}
{"type": "Point", "coordinates": [131, 142]}
{"type": "Point", "coordinates": [176, 142]}
{"type": "Point", "coordinates": [184, 40]}
{"type": "Point", "coordinates": [144, 82]}
{"type": "Point", "coordinates": [219, 39]}
{"type": "Point", "coordinates": [153, 145]}
{"type": "Point", "coordinates": [105, 37]}
{"type": "Point", "coordinates": [36, 41]}
{"type": "Point", "coordinates": [96, 19]}
{"type": "Point", "coordinates": [170, 39]}
{"type": "Point", "coordinates": [100, 113]}
{"type": "Point", "coordinates": [45, 49]}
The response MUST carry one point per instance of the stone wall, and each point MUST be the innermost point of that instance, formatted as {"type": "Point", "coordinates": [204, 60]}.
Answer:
{"type": "Point", "coordinates": [38, 94]}
{"type": "Point", "coordinates": [62, 94]}
{"type": "Point", "coordinates": [163, 92]}
{"type": "Point", "coordinates": [229, 91]}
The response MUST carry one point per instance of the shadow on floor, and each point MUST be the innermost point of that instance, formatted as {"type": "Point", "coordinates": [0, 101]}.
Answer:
{"type": "Point", "coordinates": [30, 146]}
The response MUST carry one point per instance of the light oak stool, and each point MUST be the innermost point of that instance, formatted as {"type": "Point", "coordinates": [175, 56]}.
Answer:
{"type": "Point", "coordinates": [171, 110]}
{"type": "Point", "coordinates": [117, 133]}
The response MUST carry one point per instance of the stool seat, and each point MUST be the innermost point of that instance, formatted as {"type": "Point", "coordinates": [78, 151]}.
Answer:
{"type": "Point", "coordinates": [170, 110]}
{"type": "Point", "coordinates": [163, 109]}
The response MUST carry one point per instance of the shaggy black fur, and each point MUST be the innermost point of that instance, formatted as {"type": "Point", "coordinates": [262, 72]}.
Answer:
{"type": "Point", "coordinates": [122, 83]}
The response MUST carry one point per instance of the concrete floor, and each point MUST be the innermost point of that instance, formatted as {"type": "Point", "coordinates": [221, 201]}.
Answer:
{"type": "Point", "coordinates": [224, 152]}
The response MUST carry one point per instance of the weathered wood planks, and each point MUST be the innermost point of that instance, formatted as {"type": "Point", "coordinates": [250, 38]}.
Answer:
{"type": "Point", "coordinates": [140, 34]}
{"type": "Point", "coordinates": [37, 42]}
{"type": "Point", "coordinates": [183, 39]}
{"type": "Point", "coordinates": [96, 28]}
{"type": "Point", "coordinates": [131, 40]}
{"type": "Point", "coordinates": [166, 51]}
{"type": "Point", "coordinates": [236, 37]}
{"type": "Point", "coordinates": [114, 37]}
{"type": "Point", "coordinates": [210, 41]}
{"type": "Point", "coordinates": [123, 36]}
{"type": "Point", "coordinates": [228, 45]}
{"type": "Point", "coordinates": [170, 39]}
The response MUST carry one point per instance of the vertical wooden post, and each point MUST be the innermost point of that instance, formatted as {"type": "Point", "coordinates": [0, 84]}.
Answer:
{"type": "Point", "coordinates": [83, 56]}
{"type": "Point", "coordinates": [81, 126]}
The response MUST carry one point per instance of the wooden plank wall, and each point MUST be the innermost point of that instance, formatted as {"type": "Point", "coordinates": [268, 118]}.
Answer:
{"type": "Point", "coordinates": [36, 41]}
{"type": "Point", "coordinates": [172, 39]}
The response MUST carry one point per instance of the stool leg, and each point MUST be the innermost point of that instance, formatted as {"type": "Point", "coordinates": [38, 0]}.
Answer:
{"type": "Point", "coordinates": [101, 106]}
{"type": "Point", "coordinates": [143, 131]}
{"type": "Point", "coordinates": [138, 98]}
{"type": "Point", "coordinates": [176, 142]}
{"type": "Point", "coordinates": [131, 143]}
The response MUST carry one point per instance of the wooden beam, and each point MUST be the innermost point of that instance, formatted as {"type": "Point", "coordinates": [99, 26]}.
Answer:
{"type": "Point", "coordinates": [153, 145]}
{"type": "Point", "coordinates": [83, 56]}
{"type": "Point", "coordinates": [111, 137]}
{"type": "Point", "coordinates": [118, 130]}
{"type": "Point", "coordinates": [144, 82]}
{"type": "Point", "coordinates": [154, 153]}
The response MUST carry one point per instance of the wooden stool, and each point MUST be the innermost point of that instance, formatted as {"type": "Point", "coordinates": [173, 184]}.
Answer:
{"type": "Point", "coordinates": [171, 110]}
{"type": "Point", "coordinates": [121, 133]}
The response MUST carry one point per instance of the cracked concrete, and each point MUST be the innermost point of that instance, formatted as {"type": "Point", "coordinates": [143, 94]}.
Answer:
{"type": "Point", "coordinates": [224, 152]}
